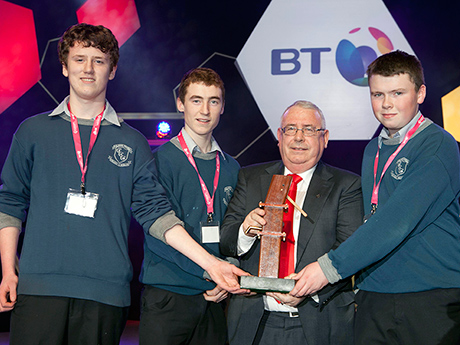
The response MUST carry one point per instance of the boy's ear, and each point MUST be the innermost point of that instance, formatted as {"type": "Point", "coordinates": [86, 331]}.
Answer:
{"type": "Point", "coordinates": [421, 94]}
{"type": "Point", "coordinates": [64, 71]}
{"type": "Point", "coordinates": [112, 72]}
{"type": "Point", "coordinates": [179, 105]}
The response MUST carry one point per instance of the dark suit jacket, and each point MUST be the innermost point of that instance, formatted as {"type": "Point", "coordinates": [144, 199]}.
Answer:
{"type": "Point", "coordinates": [335, 210]}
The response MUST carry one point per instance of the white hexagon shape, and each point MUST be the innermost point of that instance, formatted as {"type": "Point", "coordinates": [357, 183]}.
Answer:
{"type": "Point", "coordinates": [319, 51]}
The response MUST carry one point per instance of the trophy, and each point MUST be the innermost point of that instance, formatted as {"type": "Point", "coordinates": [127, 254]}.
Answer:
{"type": "Point", "coordinates": [270, 237]}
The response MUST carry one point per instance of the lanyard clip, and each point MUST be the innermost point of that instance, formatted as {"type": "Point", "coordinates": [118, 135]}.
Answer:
{"type": "Point", "coordinates": [209, 217]}
{"type": "Point", "coordinates": [83, 190]}
{"type": "Point", "coordinates": [373, 208]}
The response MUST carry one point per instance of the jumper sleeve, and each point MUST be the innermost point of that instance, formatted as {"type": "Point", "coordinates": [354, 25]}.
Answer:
{"type": "Point", "coordinates": [6, 221]}
{"type": "Point", "coordinates": [420, 197]}
{"type": "Point", "coordinates": [15, 191]}
{"type": "Point", "coordinates": [153, 211]}
{"type": "Point", "coordinates": [328, 269]}
{"type": "Point", "coordinates": [163, 224]}
{"type": "Point", "coordinates": [167, 221]}
{"type": "Point", "coordinates": [149, 200]}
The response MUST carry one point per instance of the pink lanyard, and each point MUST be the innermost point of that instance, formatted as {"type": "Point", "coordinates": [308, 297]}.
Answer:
{"type": "Point", "coordinates": [375, 191]}
{"type": "Point", "coordinates": [207, 197]}
{"type": "Point", "coordinates": [77, 143]}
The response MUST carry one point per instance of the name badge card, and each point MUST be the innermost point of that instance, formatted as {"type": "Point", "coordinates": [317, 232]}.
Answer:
{"type": "Point", "coordinates": [210, 232]}
{"type": "Point", "coordinates": [81, 204]}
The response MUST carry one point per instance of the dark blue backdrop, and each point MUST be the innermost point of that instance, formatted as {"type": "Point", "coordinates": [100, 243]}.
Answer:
{"type": "Point", "coordinates": [176, 36]}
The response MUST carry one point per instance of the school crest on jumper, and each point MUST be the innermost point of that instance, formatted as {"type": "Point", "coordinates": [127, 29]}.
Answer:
{"type": "Point", "coordinates": [121, 155]}
{"type": "Point", "coordinates": [400, 169]}
{"type": "Point", "coordinates": [228, 192]}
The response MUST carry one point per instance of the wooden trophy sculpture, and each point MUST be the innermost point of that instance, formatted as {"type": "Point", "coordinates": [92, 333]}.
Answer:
{"type": "Point", "coordinates": [271, 235]}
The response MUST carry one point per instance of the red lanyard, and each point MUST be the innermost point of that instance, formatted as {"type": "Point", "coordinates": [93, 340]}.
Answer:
{"type": "Point", "coordinates": [207, 197]}
{"type": "Point", "coordinates": [375, 190]}
{"type": "Point", "coordinates": [77, 142]}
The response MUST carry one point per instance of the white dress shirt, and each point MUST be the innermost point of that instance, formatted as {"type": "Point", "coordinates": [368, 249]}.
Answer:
{"type": "Point", "coordinates": [245, 242]}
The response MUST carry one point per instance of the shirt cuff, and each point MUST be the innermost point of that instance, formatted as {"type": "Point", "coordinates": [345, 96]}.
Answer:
{"type": "Point", "coordinates": [6, 221]}
{"type": "Point", "coordinates": [244, 242]}
{"type": "Point", "coordinates": [328, 269]}
{"type": "Point", "coordinates": [163, 224]}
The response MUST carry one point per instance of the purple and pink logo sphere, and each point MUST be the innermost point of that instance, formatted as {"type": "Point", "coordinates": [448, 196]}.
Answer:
{"type": "Point", "coordinates": [353, 61]}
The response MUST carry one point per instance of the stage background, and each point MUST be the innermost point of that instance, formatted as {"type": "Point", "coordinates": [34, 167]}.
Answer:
{"type": "Point", "coordinates": [175, 36]}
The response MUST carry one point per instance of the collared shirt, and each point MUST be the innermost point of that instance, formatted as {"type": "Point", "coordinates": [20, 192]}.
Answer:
{"type": "Point", "coordinates": [163, 223]}
{"type": "Point", "coordinates": [109, 115]}
{"type": "Point", "coordinates": [325, 262]}
{"type": "Point", "coordinates": [245, 242]}
{"type": "Point", "coordinates": [195, 149]}
{"type": "Point", "coordinates": [398, 136]}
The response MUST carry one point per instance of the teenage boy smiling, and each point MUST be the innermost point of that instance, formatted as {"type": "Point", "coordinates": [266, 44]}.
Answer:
{"type": "Point", "coordinates": [409, 247]}
{"type": "Point", "coordinates": [199, 179]}
{"type": "Point", "coordinates": [74, 270]}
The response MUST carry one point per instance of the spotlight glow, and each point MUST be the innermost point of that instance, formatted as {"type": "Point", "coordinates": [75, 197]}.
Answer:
{"type": "Point", "coordinates": [163, 130]}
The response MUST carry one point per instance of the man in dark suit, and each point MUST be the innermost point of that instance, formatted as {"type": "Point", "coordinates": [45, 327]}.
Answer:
{"type": "Point", "coordinates": [332, 199]}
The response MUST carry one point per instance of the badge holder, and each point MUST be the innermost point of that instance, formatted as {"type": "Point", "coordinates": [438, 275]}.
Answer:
{"type": "Point", "coordinates": [80, 204]}
{"type": "Point", "coordinates": [210, 231]}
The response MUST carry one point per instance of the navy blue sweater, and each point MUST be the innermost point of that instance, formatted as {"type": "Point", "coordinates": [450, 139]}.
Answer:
{"type": "Point", "coordinates": [412, 242]}
{"type": "Point", "coordinates": [65, 254]}
{"type": "Point", "coordinates": [163, 266]}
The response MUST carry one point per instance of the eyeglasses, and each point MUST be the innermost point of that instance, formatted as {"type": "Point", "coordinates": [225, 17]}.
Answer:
{"type": "Point", "coordinates": [308, 131]}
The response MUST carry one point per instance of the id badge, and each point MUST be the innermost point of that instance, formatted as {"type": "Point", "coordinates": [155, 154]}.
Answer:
{"type": "Point", "coordinates": [81, 204]}
{"type": "Point", "coordinates": [210, 232]}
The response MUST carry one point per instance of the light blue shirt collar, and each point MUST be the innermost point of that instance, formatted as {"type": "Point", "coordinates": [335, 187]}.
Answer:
{"type": "Point", "coordinates": [398, 136]}
{"type": "Point", "coordinates": [109, 113]}
{"type": "Point", "coordinates": [193, 147]}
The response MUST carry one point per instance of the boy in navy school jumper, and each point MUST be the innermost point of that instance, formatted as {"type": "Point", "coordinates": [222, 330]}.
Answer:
{"type": "Point", "coordinates": [409, 247]}
{"type": "Point", "coordinates": [74, 270]}
{"type": "Point", "coordinates": [193, 302]}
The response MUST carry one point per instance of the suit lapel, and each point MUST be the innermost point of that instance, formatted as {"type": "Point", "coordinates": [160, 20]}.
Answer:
{"type": "Point", "coordinates": [318, 191]}
{"type": "Point", "coordinates": [275, 169]}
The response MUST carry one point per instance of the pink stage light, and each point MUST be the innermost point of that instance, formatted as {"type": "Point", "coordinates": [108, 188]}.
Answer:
{"type": "Point", "coordinates": [19, 57]}
{"type": "Point", "coordinates": [120, 16]}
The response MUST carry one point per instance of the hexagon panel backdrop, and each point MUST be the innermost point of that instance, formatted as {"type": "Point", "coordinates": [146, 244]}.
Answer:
{"type": "Point", "coordinates": [19, 53]}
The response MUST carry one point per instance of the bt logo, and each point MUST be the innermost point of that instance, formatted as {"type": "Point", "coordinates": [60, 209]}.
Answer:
{"type": "Point", "coordinates": [278, 60]}
{"type": "Point", "coordinates": [351, 61]}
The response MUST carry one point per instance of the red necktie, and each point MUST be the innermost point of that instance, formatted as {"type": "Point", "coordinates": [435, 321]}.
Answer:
{"type": "Point", "coordinates": [288, 247]}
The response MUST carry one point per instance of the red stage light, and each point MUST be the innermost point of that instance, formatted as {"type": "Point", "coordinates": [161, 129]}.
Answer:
{"type": "Point", "coordinates": [19, 57]}
{"type": "Point", "coordinates": [120, 16]}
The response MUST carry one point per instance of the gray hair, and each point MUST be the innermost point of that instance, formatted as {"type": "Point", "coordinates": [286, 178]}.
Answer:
{"type": "Point", "coordinates": [308, 105]}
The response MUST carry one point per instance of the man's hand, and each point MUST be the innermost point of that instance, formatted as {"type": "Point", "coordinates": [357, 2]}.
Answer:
{"type": "Point", "coordinates": [215, 295]}
{"type": "Point", "coordinates": [285, 298]}
{"type": "Point", "coordinates": [226, 275]}
{"type": "Point", "coordinates": [255, 218]}
{"type": "Point", "coordinates": [309, 280]}
{"type": "Point", "coordinates": [8, 293]}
